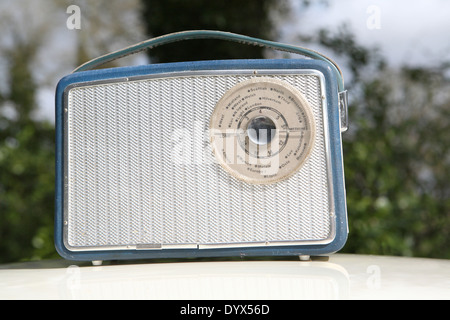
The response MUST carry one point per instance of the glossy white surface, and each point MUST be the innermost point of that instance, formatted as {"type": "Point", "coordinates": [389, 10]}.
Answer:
{"type": "Point", "coordinates": [342, 277]}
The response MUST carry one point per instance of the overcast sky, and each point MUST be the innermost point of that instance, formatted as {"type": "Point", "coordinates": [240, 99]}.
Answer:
{"type": "Point", "coordinates": [407, 31]}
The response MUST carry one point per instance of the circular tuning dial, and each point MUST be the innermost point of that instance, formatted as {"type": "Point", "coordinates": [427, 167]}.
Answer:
{"type": "Point", "coordinates": [262, 130]}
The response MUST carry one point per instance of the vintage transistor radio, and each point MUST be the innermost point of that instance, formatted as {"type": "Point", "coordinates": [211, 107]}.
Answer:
{"type": "Point", "coordinates": [201, 159]}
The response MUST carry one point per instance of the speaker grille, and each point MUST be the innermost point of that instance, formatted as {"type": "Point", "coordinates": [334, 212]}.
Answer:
{"type": "Point", "coordinates": [140, 171]}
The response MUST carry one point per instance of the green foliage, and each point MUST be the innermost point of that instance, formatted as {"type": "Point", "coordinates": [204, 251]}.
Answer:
{"type": "Point", "coordinates": [396, 157]}
{"type": "Point", "coordinates": [26, 193]}
{"type": "Point", "coordinates": [26, 169]}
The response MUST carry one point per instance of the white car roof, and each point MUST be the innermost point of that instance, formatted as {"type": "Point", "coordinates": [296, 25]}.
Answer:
{"type": "Point", "coordinates": [343, 276]}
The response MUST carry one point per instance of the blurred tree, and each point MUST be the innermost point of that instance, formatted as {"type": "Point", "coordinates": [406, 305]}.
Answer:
{"type": "Point", "coordinates": [26, 143]}
{"type": "Point", "coordinates": [397, 163]}
{"type": "Point", "coordinates": [26, 166]}
{"type": "Point", "coordinates": [251, 18]}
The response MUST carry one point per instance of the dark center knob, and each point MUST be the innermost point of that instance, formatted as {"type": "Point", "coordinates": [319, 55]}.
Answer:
{"type": "Point", "coordinates": [261, 130]}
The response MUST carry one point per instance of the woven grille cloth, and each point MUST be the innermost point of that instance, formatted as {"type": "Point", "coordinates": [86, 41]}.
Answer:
{"type": "Point", "coordinates": [140, 170]}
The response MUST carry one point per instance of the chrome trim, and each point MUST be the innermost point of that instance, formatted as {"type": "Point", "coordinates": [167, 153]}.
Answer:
{"type": "Point", "coordinates": [343, 110]}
